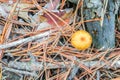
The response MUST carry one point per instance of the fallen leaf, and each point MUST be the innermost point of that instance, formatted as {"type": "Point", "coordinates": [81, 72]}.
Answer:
{"type": "Point", "coordinates": [21, 10]}
{"type": "Point", "coordinates": [52, 5]}
{"type": "Point", "coordinates": [51, 18]}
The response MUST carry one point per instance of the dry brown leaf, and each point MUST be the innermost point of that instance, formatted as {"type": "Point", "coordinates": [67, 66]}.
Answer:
{"type": "Point", "coordinates": [21, 9]}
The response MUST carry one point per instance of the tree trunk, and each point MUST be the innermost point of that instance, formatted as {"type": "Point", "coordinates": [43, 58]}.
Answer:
{"type": "Point", "coordinates": [103, 36]}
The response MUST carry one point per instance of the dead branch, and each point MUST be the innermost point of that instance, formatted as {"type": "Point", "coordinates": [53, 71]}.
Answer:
{"type": "Point", "coordinates": [20, 71]}
{"type": "Point", "coordinates": [25, 40]}
{"type": "Point", "coordinates": [39, 65]}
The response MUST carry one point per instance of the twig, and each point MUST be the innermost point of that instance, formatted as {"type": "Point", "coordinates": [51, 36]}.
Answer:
{"type": "Point", "coordinates": [103, 11]}
{"type": "Point", "coordinates": [39, 65]}
{"type": "Point", "coordinates": [25, 40]}
{"type": "Point", "coordinates": [19, 71]}
{"type": "Point", "coordinates": [73, 72]}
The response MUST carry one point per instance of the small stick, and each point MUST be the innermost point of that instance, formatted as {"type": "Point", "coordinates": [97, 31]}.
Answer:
{"type": "Point", "coordinates": [35, 66]}
{"type": "Point", "coordinates": [19, 71]}
{"type": "Point", "coordinates": [25, 40]}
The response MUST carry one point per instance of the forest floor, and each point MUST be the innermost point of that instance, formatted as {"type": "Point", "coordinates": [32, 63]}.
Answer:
{"type": "Point", "coordinates": [35, 43]}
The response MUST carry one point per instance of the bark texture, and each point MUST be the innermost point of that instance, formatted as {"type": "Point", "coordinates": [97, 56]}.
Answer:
{"type": "Point", "coordinates": [103, 36]}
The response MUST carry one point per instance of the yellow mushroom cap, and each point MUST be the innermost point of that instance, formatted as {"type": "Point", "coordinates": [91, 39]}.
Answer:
{"type": "Point", "coordinates": [81, 40]}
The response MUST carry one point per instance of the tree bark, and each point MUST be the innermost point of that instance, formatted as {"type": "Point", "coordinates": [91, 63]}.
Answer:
{"type": "Point", "coordinates": [103, 36]}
